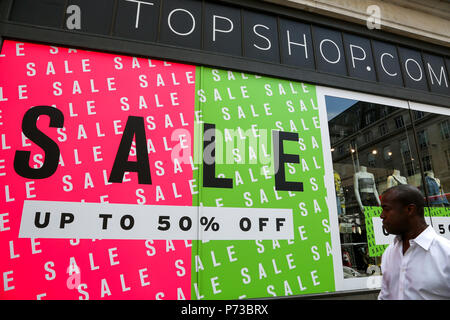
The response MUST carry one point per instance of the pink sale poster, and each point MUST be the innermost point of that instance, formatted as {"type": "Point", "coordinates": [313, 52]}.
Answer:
{"type": "Point", "coordinates": [97, 128]}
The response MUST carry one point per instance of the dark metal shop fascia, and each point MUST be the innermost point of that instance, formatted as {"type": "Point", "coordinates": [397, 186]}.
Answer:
{"type": "Point", "coordinates": [247, 36]}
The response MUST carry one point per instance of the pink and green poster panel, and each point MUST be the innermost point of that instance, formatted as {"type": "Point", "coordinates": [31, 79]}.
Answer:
{"type": "Point", "coordinates": [134, 178]}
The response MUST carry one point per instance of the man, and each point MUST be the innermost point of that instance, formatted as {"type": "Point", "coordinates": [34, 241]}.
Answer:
{"type": "Point", "coordinates": [417, 264]}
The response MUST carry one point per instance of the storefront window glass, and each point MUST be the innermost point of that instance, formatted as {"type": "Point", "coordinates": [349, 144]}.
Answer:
{"type": "Point", "coordinates": [376, 151]}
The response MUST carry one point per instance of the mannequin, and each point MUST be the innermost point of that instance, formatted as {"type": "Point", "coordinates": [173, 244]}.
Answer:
{"type": "Point", "coordinates": [395, 179]}
{"type": "Point", "coordinates": [346, 261]}
{"type": "Point", "coordinates": [373, 269]}
{"type": "Point", "coordinates": [435, 190]}
{"type": "Point", "coordinates": [365, 189]}
{"type": "Point", "coordinates": [340, 199]}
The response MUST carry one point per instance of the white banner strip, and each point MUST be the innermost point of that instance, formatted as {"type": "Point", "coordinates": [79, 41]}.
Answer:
{"type": "Point", "coordinates": [440, 224]}
{"type": "Point", "coordinates": [80, 220]}
{"type": "Point", "coordinates": [381, 235]}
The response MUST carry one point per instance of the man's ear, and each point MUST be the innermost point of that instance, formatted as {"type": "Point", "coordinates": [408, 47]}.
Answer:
{"type": "Point", "coordinates": [411, 209]}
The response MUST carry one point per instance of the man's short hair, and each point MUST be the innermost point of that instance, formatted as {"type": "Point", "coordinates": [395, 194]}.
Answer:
{"type": "Point", "coordinates": [407, 194]}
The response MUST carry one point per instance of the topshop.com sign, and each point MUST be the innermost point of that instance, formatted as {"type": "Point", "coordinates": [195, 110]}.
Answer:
{"type": "Point", "coordinates": [224, 29]}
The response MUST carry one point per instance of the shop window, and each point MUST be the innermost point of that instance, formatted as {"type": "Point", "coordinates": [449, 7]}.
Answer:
{"type": "Point", "coordinates": [367, 170]}
{"type": "Point", "coordinates": [368, 166]}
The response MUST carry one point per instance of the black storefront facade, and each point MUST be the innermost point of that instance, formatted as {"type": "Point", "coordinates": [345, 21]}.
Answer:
{"type": "Point", "coordinates": [382, 100]}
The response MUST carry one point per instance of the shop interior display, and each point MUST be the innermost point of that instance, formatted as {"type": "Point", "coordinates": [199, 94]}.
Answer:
{"type": "Point", "coordinates": [355, 257]}
{"type": "Point", "coordinates": [396, 179]}
{"type": "Point", "coordinates": [340, 198]}
{"type": "Point", "coordinates": [436, 193]}
{"type": "Point", "coordinates": [373, 270]}
{"type": "Point", "coordinates": [351, 273]}
{"type": "Point", "coordinates": [365, 188]}
{"type": "Point", "coordinates": [372, 150]}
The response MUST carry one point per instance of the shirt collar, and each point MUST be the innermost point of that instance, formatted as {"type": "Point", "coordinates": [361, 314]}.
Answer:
{"type": "Point", "coordinates": [424, 239]}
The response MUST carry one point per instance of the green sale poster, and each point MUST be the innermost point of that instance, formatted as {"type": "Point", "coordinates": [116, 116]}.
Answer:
{"type": "Point", "coordinates": [249, 113]}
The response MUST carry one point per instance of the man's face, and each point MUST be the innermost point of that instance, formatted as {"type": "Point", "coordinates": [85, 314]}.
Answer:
{"type": "Point", "coordinates": [394, 215]}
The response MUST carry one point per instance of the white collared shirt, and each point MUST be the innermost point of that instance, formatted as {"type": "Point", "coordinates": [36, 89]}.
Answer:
{"type": "Point", "coordinates": [423, 272]}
